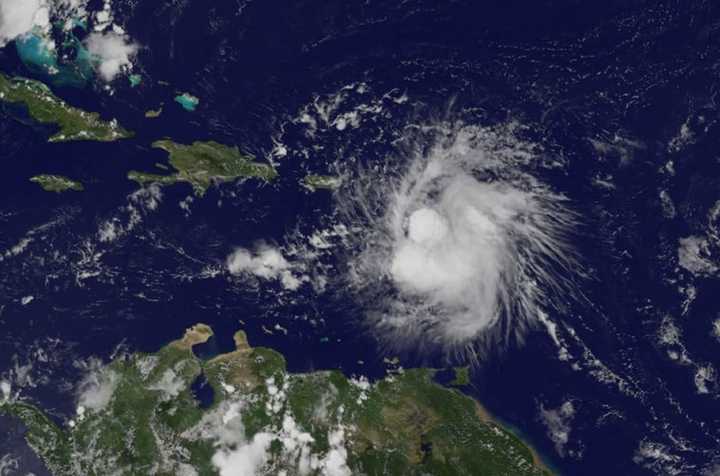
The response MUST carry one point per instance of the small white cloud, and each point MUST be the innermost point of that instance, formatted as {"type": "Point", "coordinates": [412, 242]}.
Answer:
{"type": "Point", "coordinates": [716, 328]}
{"type": "Point", "coordinates": [705, 379]}
{"type": "Point", "coordinates": [558, 423]}
{"type": "Point", "coordinates": [694, 255]}
{"type": "Point", "coordinates": [658, 458]}
{"type": "Point", "coordinates": [5, 389]}
{"type": "Point", "coordinates": [290, 281]}
{"type": "Point", "coordinates": [113, 52]}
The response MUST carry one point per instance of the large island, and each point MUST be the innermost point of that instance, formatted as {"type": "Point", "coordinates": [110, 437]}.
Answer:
{"type": "Point", "coordinates": [202, 163]}
{"type": "Point", "coordinates": [57, 183]}
{"type": "Point", "coordinates": [45, 107]}
{"type": "Point", "coordinates": [242, 413]}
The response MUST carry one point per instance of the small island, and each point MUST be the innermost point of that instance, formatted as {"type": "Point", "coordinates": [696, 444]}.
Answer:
{"type": "Point", "coordinates": [462, 376]}
{"type": "Point", "coordinates": [143, 415]}
{"type": "Point", "coordinates": [203, 163]}
{"type": "Point", "coordinates": [43, 106]}
{"type": "Point", "coordinates": [187, 101]}
{"type": "Point", "coordinates": [154, 113]}
{"type": "Point", "coordinates": [326, 182]}
{"type": "Point", "coordinates": [135, 80]}
{"type": "Point", "coordinates": [57, 183]}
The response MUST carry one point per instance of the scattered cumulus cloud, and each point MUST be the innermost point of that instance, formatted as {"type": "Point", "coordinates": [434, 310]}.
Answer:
{"type": "Point", "coordinates": [694, 255]}
{"type": "Point", "coordinates": [140, 203]}
{"type": "Point", "coordinates": [658, 458]}
{"type": "Point", "coordinates": [557, 421]}
{"type": "Point", "coordinates": [713, 470]}
{"type": "Point", "coordinates": [238, 453]}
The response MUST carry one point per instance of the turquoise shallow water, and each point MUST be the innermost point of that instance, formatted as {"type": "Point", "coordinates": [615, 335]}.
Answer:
{"type": "Point", "coordinates": [188, 102]}
{"type": "Point", "coordinates": [41, 60]}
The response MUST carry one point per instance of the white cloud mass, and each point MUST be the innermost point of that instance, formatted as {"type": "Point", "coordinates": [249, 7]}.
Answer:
{"type": "Point", "coordinates": [97, 388]}
{"type": "Point", "coordinates": [18, 17]}
{"type": "Point", "coordinates": [113, 52]}
{"type": "Point", "coordinates": [694, 255]}
{"type": "Point", "coordinates": [266, 262]}
{"type": "Point", "coordinates": [558, 423]}
{"type": "Point", "coordinates": [246, 459]}
{"type": "Point", "coordinates": [465, 246]}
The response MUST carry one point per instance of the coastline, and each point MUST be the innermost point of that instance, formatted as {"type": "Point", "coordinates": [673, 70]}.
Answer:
{"type": "Point", "coordinates": [538, 460]}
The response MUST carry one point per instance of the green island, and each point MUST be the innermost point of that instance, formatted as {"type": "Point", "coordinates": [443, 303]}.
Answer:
{"type": "Point", "coordinates": [142, 417]}
{"type": "Point", "coordinates": [316, 182]}
{"type": "Point", "coordinates": [57, 183]}
{"type": "Point", "coordinates": [43, 106]}
{"type": "Point", "coordinates": [203, 163]}
{"type": "Point", "coordinates": [154, 113]}
{"type": "Point", "coordinates": [462, 377]}
{"type": "Point", "coordinates": [135, 80]}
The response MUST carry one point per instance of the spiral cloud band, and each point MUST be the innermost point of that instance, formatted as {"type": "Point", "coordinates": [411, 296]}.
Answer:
{"type": "Point", "coordinates": [465, 247]}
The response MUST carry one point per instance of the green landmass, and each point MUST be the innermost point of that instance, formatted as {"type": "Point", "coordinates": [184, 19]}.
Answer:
{"type": "Point", "coordinates": [326, 182]}
{"type": "Point", "coordinates": [142, 418]}
{"type": "Point", "coordinates": [462, 376]}
{"type": "Point", "coordinates": [203, 163]}
{"type": "Point", "coordinates": [57, 183]}
{"type": "Point", "coordinates": [153, 113]}
{"type": "Point", "coordinates": [187, 101]}
{"type": "Point", "coordinates": [43, 106]}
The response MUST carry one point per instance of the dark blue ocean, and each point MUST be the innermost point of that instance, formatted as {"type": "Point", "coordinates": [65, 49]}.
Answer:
{"type": "Point", "coordinates": [606, 88]}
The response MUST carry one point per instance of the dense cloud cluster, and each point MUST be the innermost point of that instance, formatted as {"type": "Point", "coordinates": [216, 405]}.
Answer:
{"type": "Point", "coordinates": [265, 262]}
{"type": "Point", "coordinates": [113, 52]}
{"type": "Point", "coordinates": [18, 17]}
{"type": "Point", "coordinates": [473, 245]}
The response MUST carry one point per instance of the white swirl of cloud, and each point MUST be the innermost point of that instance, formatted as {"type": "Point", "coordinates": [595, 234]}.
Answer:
{"type": "Point", "coordinates": [465, 247]}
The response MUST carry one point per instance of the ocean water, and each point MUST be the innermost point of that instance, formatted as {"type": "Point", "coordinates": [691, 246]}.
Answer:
{"type": "Point", "coordinates": [604, 89]}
